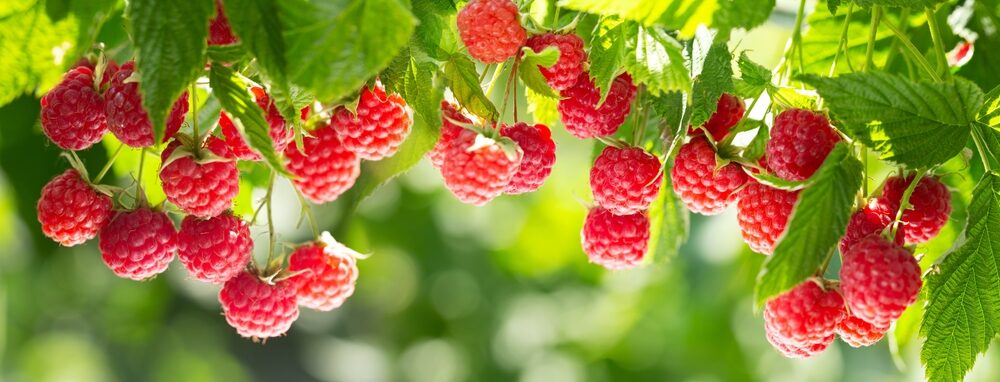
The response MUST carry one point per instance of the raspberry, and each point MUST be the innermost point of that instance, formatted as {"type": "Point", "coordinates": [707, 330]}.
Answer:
{"type": "Point", "coordinates": [803, 319]}
{"type": "Point", "coordinates": [763, 212]}
{"type": "Point", "coordinates": [110, 68]}
{"type": "Point", "coordinates": [800, 141]}
{"type": "Point", "coordinates": [615, 241]}
{"type": "Point", "coordinates": [73, 111]}
{"type": "Point", "coordinates": [71, 211]}
{"type": "Point", "coordinates": [702, 185]}
{"type": "Point", "coordinates": [930, 207]}
{"type": "Point", "coordinates": [258, 309]}
{"type": "Point", "coordinates": [280, 133]}
{"type": "Point", "coordinates": [568, 68]}
{"type": "Point", "coordinates": [330, 272]}
{"type": "Point", "coordinates": [216, 249]}
{"type": "Point", "coordinates": [477, 169]}
{"type": "Point", "coordinates": [728, 113]}
{"type": "Point", "coordinates": [326, 169]}
{"type": "Point", "coordinates": [449, 131]}
{"type": "Point", "coordinates": [138, 244]}
{"type": "Point", "coordinates": [219, 32]}
{"type": "Point", "coordinates": [857, 333]}
{"type": "Point", "coordinates": [491, 29]}
{"type": "Point", "coordinates": [863, 223]}
{"type": "Point", "coordinates": [625, 180]}
{"type": "Point", "coordinates": [879, 279]}
{"type": "Point", "coordinates": [200, 187]}
{"type": "Point", "coordinates": [380, 125]}
{"type": "Point", "coordinates": [581, 115]}
{"type": "Point", "coordinates": [539, 156]}
{"type": "Point", "coordinates": [126, 117]}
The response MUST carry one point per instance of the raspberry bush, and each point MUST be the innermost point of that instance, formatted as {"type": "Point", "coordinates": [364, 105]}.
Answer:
{"type": "Point", "coordinates": [876, 160]}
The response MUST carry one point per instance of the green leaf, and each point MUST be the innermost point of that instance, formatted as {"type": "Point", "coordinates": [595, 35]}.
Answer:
{"type": "Point", "coordinates": [716, 77]}
{"type": "Point", "coordinates": [745, 14]}
{"type": "Point", "coordinates": [226, 53]}
{"type": "Point", "coordinates": [334, 46]}
{"type": "Point", "coordinates": [531, 76]}
{"type": "Point", "coordinates": [436, 34]}
{"type": "Point", "coordinates": [918, 124]}
{"type": "Point", "coordinates": [257, 25]}
{"type": "Point", "coordinates": [755, 149]}
{"type": "Point", "coordinates": [989, 114]}
{"type": "Point", "coordinates": [754, 78]}
{"type": "Point", "coordinates": [899, 3]}
{"type": "Point", "coordinates": [463, 81]}
{"type": "Point", "coordinates": [821, 41]}
{"type": "Point", "coordinates": [232, 93]}
{"type": "Point", "coordinates": [170, 39]}
{"type": "Point", "coordinates": [543, 109]}
{"type": "Point", "coordinates": [778, 182]}
{"type": "Point", "coordinates": [792, 98]}
{"type": "Point", "coordinates": [815, 226]}
{"type": "Point", "coordinates": [654, 59]}
{"type": "Point", "coordinates": [669, 223]}
{"type": "Point", "coordinates": [607, 54]}
{"type": "Point", "coordinates": [682, 15]}
{"type": "Point", "coordinates": [962, 315]}
{"type": "Point", "coordinates": [33, 51]}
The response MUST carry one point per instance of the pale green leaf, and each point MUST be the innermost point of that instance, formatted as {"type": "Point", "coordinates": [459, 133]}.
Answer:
{"type": "Point", "coordinates": [543, 109]}
{"type": "Point", "coordinates": [528, 69]}
{"type": "Point", "coordinates": [754, 78]}
{"type": "Point", "coordinates": [463, 81]}
{"type": "Point", "coordinates": [35, 50]}
{"type": "Point", "coordinates": [815, 226]}
{"type": "Point", "coordinates": [170, 39]}
{"type": "Point", "coordinates": [654, 59]}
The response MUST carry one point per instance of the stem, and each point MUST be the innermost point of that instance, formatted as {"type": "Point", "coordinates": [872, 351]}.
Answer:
{"type": "Point", "coordinates": [980, 147]}
{"type": "Point", "coordinates": [309, 213]}
{"type": "Point", "coordinates": [194, 119]}
{"type": "Point", "coordinates": [904, 202]}
{"type": "Point", "coordinates": [912, 50]}
{"type": "Point", "coordinates": [864, 166]}
{"type": "Point", "coordinates": [493, 81]}
{"type": "Point", "coordinates": [270, 221]}
{"type": "Point", "coordinates": [843, 40]}
{"type": "Point", "coordinates": [513, 69]}
{"type": "Point", "coordinates": [140, 194]}
{"type": "Point", "coordinates": [555, 20]}
{"type": "Point", "coordinates": [797, 36]}
{"type": "Point", "coordinates": [506, 91]}
{"type": "Point", "coordinates": [938, 43]}
{"type": "Point", "coordinates": [107, 166]}
{"type": "Point", "coordinates": [891, 55]}
{"type": "Point", "coordinates": [639, 128]}
{"type": "Point", "coordinates": [826, 263]}
{"type": "Point", "coordinates": [872, 35]}
{"type": "Point", "coordinates": [485, 70]}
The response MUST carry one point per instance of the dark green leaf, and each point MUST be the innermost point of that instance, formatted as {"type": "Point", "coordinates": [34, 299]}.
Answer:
{"type": "Point", "coordinates": [962, 315]}
{"type": "Point", "coordinates": [436, 33]}
{"type": "Point", "coordinates": [919, 124]}
{"type": "Point", "coordinates": [257, 25]}
{"type": "Point", "coordinates": [170, 38]}
{"type": "Point", "coordinates": [744, 14]}
{"type": "Point", "coordinates": [236, 100]}
{"type": "Point", "coordinates": [226, 53]}
{"type": "Point", "coordinates": [754, 78]}
{"type": "Point", "coordinates": [669, 223]}
{"type": "Point", "coordinates": [817, 223]}
{"type": "Point", "coordinates": [464, 84]}
{"type": "Point", "coordinates": [334, 47]}
{"type": "Point", "coordinates": [716, 77]}
{"type": "Point", "coordinates": [530, 74]}
{"type": "Point", "coordinates": [755, 149]}
{"type": "Point", "coordinates": [607, 55]}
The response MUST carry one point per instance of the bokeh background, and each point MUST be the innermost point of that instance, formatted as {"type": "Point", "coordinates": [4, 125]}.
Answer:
{"type": "Point", "coordinates": [451, 292]}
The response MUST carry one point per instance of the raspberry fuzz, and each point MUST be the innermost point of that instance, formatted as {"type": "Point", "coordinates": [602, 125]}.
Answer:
{"type": "Point", "coordinates": [73, 111]}
{"type": "Point", "coordinates": [258, 309]}
{"type": "Point", "coordinates": [138, 244]}
{"type": "Point", "coordinates": [615, 241]}
{"type": "Point", "coordinates": [625, 180]}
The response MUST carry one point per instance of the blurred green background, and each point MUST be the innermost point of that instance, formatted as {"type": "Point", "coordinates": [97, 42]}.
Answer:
{"type": "Point", "coordinates": [451, 292]}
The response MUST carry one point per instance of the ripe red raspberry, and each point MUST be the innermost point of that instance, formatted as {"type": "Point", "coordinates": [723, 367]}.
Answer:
{"type": "Point", "coordinates": [330, 272]}
{"type": "Point", "coordinates": [380, 125]}
{"type": "Point", "coordinates": [477, 169]}
{"type": "Point", "coordinates": [216, 249]}
{"type": "Point", "coordinates": [581, 115]}
{"type": "Point", "coordinates": [728, 113]}
{"type": "Point", "coordinates": [930, 207]}
{"type": "Point", "coordinates": [258, 309]}
{"type": "Point", "coordinates": [763, 212]}
{"type": "Point", "coordinates": [625, 180]}
{"type": "Point", "coordinates": [702, 185]}
{"type": "Point", "coordinates": [568, 68]}
{"type": "Point", "coordinates": [71, 211]}
{"type": "Point", "coordinates": [219, 32]}
{"type": "Point", "coordinates": [128, 120]}
{"type": "Point", "coordinates": [857, 332]}
{"type": "Point", "coordinates": [539, 156]}
{"type": "Point", "coordinates": [491, 29]}
{"type": "Point", "coordinates": [800, 141]}
{"type": "Point", "coordinates": [138, 244]}
{"type": "Point", "coordinates": [200, 186]}
{"type": "Point", "coordinates": [325, 169]}
{"type": "Point", "coordinates": [281, 134]}
{"type": "Point", "coordinates": [615, 241]}
{"type": "Point", "coordinates": [880, 279]}
{"type": "Point", "coordinates": [449, 131]}
{"type": "Point", "coordinates": [73, 111]}
{"type": "Point", "coordinates": [803, 319]}
{"type": "Point", "coordinates": [863, 223]}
